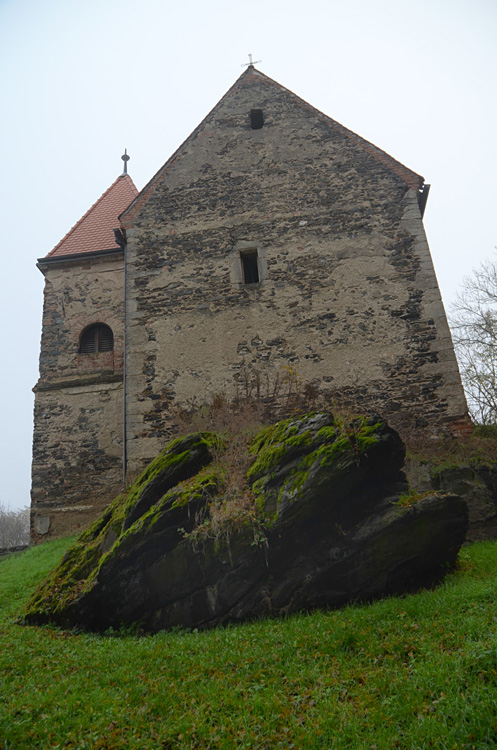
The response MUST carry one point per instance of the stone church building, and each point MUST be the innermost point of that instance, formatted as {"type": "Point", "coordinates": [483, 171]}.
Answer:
{"type": "Point", "coordinates": [273, 238]}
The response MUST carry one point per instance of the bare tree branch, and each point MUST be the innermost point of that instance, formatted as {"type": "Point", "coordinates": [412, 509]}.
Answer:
{"type": "Point", "coordinates": [14, 527]}
{"type": "Point", "coordinates": [473, 321]}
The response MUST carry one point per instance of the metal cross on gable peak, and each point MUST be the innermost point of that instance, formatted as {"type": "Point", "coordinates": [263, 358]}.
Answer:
{"type": "Point", "coordinates": [250, 62]}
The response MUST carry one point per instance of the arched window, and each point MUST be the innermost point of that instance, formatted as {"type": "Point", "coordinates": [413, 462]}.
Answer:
{"type": "Point", "coordinates": [96, 338]}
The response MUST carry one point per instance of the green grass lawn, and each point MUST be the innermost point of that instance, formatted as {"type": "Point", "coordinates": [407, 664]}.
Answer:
{"type": "Point", "coordinates": [413, 672]}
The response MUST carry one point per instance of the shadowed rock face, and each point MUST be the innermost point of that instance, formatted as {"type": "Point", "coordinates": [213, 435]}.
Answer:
{"type": "Point", "coordinates": [324, 527]}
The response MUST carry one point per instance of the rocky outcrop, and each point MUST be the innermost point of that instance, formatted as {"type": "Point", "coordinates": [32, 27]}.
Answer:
{"type": "Point", "coordinates": [318, 520]}
{"type": "Point", "coordinates": [474, 482]}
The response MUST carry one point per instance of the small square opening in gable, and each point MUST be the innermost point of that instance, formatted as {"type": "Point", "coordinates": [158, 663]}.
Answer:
{"type": "Point", "coordinates": [250, 267]}
{"type": "Point", "coordinates": [256, 119]}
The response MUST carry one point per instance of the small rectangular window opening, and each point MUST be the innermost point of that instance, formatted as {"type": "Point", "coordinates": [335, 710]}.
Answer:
{"type": "Point", "coordinates": [256, 119]}
{"type": "Point", "coordinates": [250, 267]}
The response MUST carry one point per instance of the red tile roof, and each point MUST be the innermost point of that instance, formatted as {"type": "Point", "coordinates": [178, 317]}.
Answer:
{"type": "Point", "coordinates": [94, 230]}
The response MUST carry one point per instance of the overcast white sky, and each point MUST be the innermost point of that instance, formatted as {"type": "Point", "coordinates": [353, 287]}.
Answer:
{"type": "Point", "coordinates": [80, 80]}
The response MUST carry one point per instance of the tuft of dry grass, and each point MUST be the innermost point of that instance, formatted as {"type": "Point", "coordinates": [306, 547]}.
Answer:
{"type": "Point", "coordinates": [479, 448]}
{"type": "Point", "coordinates": [234, 505]}
{"type": "Point", "coordinates": [260, 397]}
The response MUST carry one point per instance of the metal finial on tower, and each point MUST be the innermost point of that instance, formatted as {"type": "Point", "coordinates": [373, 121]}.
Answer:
{"type": "Point", "coordinates": [251, 62]}
{"type": "Point", "coordinates": [125, 159]}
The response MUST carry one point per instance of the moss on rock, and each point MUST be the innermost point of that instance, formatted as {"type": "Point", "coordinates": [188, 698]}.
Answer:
{"type": "Point", "coordinates": [79, 567]}
{"type": "Point", "coordinates": [292, 452]}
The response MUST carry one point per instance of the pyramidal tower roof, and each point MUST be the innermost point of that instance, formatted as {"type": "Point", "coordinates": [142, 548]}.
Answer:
{"type": "Point", "coordinates": [94, 231]}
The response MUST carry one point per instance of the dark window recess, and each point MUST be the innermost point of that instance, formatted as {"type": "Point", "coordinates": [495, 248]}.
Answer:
{"type": "Point", "coordinates": [97, 338]}
{"type": "Point", "coordinates": [256, 119]}
{"type": "Point", "coordinates": [250, 268]}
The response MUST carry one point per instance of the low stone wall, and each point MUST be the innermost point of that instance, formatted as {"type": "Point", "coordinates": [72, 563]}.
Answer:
{"type": "Point", "coordinates": [477, 485]}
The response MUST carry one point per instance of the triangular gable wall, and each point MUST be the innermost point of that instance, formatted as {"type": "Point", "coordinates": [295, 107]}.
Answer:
{"type": "Point", "coordinates": [251, 75]}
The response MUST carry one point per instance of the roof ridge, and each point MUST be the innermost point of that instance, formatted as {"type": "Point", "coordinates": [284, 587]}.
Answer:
{"type": "Point", "coordinates": [91, 209]}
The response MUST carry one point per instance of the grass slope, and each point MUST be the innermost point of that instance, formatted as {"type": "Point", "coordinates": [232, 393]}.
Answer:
{"type": "Point", "coordinates": [415, 672]}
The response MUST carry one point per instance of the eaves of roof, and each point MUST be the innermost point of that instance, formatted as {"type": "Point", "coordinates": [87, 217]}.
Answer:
{"type": "Point", "coordinates": [78, 257]}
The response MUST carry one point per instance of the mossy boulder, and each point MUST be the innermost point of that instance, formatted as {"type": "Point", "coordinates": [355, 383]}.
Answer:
{"type": "Point", "coordinates": [322, 523]}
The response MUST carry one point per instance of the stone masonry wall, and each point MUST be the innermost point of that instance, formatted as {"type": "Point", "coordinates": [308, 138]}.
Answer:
{"type": "Point", "coordinates": [348, 298]}
{"type": "Point", "coordinates": [76, 295]}
{"type": "Point", "coordinates": [78, 414]}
